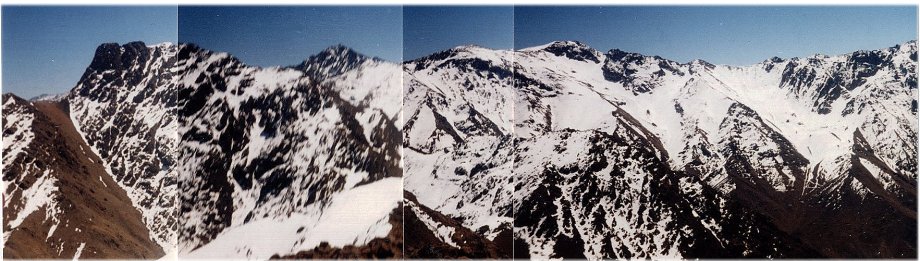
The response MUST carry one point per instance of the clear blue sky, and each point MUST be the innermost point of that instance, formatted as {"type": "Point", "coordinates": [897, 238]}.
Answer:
{"type": "Point", "coordinates": [46, 49]}
{"type": "Point", "coordinates": [429, 29]}
{"type": "Point", "coordinates": [286, 35]}
{"type": "Point", "coordinates": [720, 35]}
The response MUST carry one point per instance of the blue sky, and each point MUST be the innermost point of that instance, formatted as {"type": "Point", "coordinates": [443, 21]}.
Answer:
{"type": "Point", "coordinates": [720, 35]}
{"type": "Point", "coordinates": [47, 49]}
{"type": "Point", "coordinates": [429, 29]}
{"type": "Point", "coordinates": [286, 35]}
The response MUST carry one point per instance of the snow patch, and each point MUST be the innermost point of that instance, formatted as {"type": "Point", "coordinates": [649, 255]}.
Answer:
{"type": "Point", "coordinates": [76, 256]}
{"type": "Point", "coordinates": [353, 217]}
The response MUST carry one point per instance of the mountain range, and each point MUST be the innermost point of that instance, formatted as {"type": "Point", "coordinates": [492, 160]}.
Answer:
{"type": "Point", "coordinates": [552, 151]}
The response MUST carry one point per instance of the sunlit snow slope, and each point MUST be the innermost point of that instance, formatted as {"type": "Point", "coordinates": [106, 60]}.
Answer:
{"type": "Point", "coordinates": [620, 155]}
{"type": "Point", "coordinates": [821, 148]}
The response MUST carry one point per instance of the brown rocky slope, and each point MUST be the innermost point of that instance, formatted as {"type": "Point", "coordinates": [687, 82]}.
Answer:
{"type": "Point", "coordinates": [81, 209]}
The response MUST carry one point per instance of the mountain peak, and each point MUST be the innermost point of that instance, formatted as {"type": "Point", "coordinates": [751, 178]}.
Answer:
{"type": "Point", "coordinates": [571, 44]}
{"type": "Point", "coordinates": [338, 49]}
{"type": "Point", "coordinates": [467, 47]}
{"type": "Point", "coordinates": [573, 50]}
{"type": "Point", "coordinates": [774, 59]}
{"type": "Point", "coordinates": [909, 46]}
{"type": "Point", "coordinates": [703, 63]}
{"type": "Point", "coordinates": [10, 95]}
{"type": "Point", "coordinates": [445, 54]}
{"type": "Point", "coordinates": [113, 56]}
{"type": "Point", "coordinates": [617, 54]}
{"type": "Point", "coordinates": [333, 61]}
{"type": "Point", "coordinates": [49, 97]}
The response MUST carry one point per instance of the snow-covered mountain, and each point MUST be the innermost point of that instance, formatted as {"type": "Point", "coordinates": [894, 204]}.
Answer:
{"type": "Point", "coordinates": [309, 156]}
{"type": "Point", "coordinates": [783, 138]}
{"type": "Point", "coordinates": [105, 147]}
{"type": "Point", "coordinates": [49, 97]}
{"type": "Point", "coordinates": [620, 154]}
{"type": "Point", "coordinates": [558, 150]}
{"type": "Point", "coordinates": [458, 141]}
{"type": "Point", "coordinates": [124, 106]}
